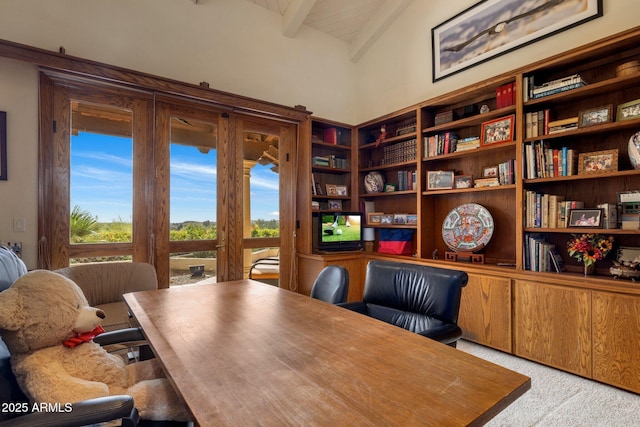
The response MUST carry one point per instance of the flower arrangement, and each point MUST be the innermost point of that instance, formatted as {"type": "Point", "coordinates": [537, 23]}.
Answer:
{"type": "Point", "coordinates": [589, 248]}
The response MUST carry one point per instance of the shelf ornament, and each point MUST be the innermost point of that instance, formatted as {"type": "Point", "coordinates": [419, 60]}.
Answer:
{"type": "Point", "coordinates": [589, 248]}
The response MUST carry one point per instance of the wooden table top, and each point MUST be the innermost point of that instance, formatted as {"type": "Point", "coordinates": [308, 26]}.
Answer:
{"type": "Point", "coordinates": [245, 353]}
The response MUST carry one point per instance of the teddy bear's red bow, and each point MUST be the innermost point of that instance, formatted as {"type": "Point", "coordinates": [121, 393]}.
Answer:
{"type": "Point", "coordinates": [82, 338]}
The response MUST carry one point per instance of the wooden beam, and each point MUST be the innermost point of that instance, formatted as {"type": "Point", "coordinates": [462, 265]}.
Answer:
{"type": "Point", "coordinates": [295, 15]}
{"type": "Point", "coordinates": [377, 25]}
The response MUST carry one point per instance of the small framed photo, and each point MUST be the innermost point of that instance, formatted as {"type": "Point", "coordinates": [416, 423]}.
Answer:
{"type": "Point", "coordinates": [319, 191]}
{"type": "Point", "coordinates": [400, 218]}
{"type": "Point", "coordinates": [439, 180]}
{"type": "Point", "coordinates": [463, 181]}
{"type": "Point", "coordinates": [628, 111]}
{"type": "Point", "coordinates": [389, 188]}
{"type": "Point", "coordinates": [628, 254]}
{"type": "Point", "coordinates": [412, 219]}
{"type": "Point", "coordinates": [374, 217]}
{"type": "Point", "coordinates": [341, 190]}
{"type": "Point", "coordinates": [585, 218]}
{"type": "Point", "coordinates": [490, 171]}
{"type": "Point", "coordinates": [332, 190]}
{"type": "Point", "coordinates": [595, 116]}
{"type": "Point", "coordinates": [386, 219]}
{"type": "Point", "coordinates": [335, 205]}
{"type": "Point", "coordinates": [498, 130]}
{"type": "Point", "coordinates": [598, 162]}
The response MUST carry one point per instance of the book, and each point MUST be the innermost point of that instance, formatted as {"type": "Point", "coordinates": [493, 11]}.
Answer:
{"type": "Point", "coordinates": [556, 260]}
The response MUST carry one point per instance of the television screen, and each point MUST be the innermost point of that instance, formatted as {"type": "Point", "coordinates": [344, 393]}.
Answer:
{"type": "Point", "coordinates": [340, 231]}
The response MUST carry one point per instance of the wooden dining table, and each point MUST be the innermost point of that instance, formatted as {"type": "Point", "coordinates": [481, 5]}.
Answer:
{"type": "Point", "coordinates": [244, 353]}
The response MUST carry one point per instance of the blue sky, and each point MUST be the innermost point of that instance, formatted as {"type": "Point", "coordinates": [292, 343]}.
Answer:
{"type": "Point", "coordinates": [101, 183]}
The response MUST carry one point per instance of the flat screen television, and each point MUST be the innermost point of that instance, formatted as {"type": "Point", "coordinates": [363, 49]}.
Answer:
{"type": "Point", "coordinates": [339, 231]}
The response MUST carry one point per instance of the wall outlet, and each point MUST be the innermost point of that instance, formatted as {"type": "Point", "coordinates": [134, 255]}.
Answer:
{"type": "Point", "coordinates": [15, 246]}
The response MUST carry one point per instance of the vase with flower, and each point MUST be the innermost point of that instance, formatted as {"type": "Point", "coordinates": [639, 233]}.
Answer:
{"type": "Point", "coordinates": [589, 248]}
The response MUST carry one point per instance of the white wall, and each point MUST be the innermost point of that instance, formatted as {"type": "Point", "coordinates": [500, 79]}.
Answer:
{"type": "Point", "coordinates": [19, 194]}
{"type": "Point", "coordinates": [396, 71]}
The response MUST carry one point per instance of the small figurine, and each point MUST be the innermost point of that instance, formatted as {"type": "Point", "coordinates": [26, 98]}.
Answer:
{"type": "Point", "coordinates": [434, 254]}
{"type": "Point", "coordinates": [383, 135]}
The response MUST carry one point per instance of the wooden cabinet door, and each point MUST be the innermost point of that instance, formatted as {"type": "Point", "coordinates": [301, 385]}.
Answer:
{"type": "Point", "coordinates": [552, 325]}
{"type": "Point", "coordinates": [616, 340]}
{"type": "Point", "coordinates": [485, 311]}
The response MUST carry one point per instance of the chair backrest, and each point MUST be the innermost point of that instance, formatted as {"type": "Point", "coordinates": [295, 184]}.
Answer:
{"type": "Point", "coordinates": [420, 296]}
{"type": "Point", "coordinates": [331, 285]}
{"type": "Point", "coordinates": [106, 282]}
{"type": "Point", "coordinates": [11, 267]}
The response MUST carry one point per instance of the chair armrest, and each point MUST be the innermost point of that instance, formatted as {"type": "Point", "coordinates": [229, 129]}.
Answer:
{"type": "Point", "coordinates": [120, 336]}
{"type": "Point", "coordinates": [358, 306]}
{"type": "Point", "coordinates": [445, 334]}
{"type": "Point", "coordinates": [91, 411]}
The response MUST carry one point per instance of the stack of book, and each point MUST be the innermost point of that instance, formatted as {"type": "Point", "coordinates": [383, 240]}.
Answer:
{"type": "Point", "coordinates": [468, 143]}
{"type": "Point", "coordinates": [564, 125]}
{"type": "Point", "coordinates": [486, 182]}
{"type": "Point", "coordinates": [542, 161]}
{"type": "Point", "coordinates": [531, 91]}
{"type": "Point", "coordinates": [320, 161]}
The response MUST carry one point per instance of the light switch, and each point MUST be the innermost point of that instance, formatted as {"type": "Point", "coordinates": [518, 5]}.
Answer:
{"type": "Point", "coordinates": [19, 225]}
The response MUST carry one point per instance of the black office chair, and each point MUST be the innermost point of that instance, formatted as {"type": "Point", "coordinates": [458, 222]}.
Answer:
{"type": "Point", "coordinates": [92, 411]}
{"type": "Point", "coordinates": [331, 285]}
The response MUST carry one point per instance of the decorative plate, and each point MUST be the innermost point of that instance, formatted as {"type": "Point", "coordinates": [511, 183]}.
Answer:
{"type": "Point", "coordinates": [634, 150]}
{"type": "Point", "coordinates": [467, 228]}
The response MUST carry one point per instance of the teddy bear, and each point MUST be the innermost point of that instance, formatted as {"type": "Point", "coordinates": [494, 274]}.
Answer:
{"type": "Point", "coordinates": [47, 325]}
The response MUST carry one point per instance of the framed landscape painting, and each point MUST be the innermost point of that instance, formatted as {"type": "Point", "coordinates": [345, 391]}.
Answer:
{"type": "Point", "coordinates": [495, 27]}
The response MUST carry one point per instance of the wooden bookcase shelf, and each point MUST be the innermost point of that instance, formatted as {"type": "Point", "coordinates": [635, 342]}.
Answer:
{"type": "Point", "coordinates": [506, 305]}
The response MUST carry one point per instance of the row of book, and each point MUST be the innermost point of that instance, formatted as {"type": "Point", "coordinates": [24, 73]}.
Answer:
{"type": "Point", "coordinates": [540, 255]}
{"type": "Point", "coordinates": [531, 91]}
{"type": "Point", "coordinates": [506, 95]}
{"type": "Point", "coordinates": [542, 161]}
{"type": "Point", "coordinates": [544, 210]}
{"type": "Point", "coordinates": [537, 123]}
{"type": "Point", "coordinates": [329, 136]}
{"type": "Point", "coordinates": [504, 175]}
{"type": "Point", "coordinates": [407, 180]}
{"type": "Point", "coordinates": [442, 143]}
{"type": "Point", "coordinates": [400, 152]}
{"type": "Point", "coordinates": [331, 161]}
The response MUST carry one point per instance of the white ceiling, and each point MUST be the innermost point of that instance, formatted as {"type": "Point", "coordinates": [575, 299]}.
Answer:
{"type": "Point", "coordinates": [357, 22]}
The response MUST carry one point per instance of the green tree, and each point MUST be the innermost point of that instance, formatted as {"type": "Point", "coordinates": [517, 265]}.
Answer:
{"type": "Point", "coordinates": [81, 224]}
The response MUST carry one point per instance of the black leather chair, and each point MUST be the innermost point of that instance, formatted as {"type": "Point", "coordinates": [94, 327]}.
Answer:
{"type": "Point", "coordinates": [419, 298]}
{"type": "Point", "coordinates": [18, 411]}
{"type": "Point", "coordinates": [331, 285]}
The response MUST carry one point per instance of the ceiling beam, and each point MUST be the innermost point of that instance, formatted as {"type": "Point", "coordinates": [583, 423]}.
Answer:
{"type": "Point", "coordinates": [295, 15]}
{"type": "Point", "coordinates": [377, 25]}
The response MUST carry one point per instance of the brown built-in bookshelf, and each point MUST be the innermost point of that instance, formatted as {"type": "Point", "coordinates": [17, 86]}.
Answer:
{"type": "Point", "coordinates": [561, 136]}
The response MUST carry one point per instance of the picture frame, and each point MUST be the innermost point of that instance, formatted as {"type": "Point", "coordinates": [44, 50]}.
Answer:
{"type": "Point", "coordinates": [628, 111]}
{"type": "Point", "coordinates": [374, 217]}
{"type": "Point", "coordinates": [386, 219]}
{"type": "Point", "coordinates": [332, 190]}
{"type": "Point", "coordinates": [595, 116]}
{"type": "Point", "coordinates": [598, 162]}
{"type": "Point", "coordinates": [465, 40]}
{"type": "Point", "coordinates": [335, 205]}
{"type": "Point", "coordinates": [319, 191]}
{"type": "Point", "coordinates": [628, 254]}
{"type": "Point", "coordinates": [439, 180]}
{"type": "Point", "coordinates": [498, 130]}
{"type": "Point", "coordinates": [463, 181]}
{"type": "Point", "coordinates": [412, 218]}
{"type": "Point", "coordinates": [341, 190]}
{"type": "Point", "coordinates": [400, 219]}
{"type": "Point", "coordinates": [490, 171]}
{"type": "Point", "coordinates": [585, 218]}
{"type": "Point", "coordinates": [3, 145]}
{"type": "Point", "coordinates": [389, 188]}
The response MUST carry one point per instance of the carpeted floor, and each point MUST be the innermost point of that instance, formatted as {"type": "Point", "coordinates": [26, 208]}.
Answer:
{"type": "Point", "coordinates": [558, 399]}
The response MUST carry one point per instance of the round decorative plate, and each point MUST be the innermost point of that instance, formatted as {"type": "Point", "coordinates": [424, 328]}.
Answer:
{"type": "Point", "coordinates": [467, 228]}
{"type": "Point", "coordinates": [634, 150]}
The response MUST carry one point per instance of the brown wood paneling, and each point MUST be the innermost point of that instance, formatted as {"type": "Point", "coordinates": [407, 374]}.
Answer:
{"type": "Point", "coordinates": [552, 325]}
{"type": "Point", "coordinates": [616, 340]}
{"type": "Point", "coordinates": [485, 311]}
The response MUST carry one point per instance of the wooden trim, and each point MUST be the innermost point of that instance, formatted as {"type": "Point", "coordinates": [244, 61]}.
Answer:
{"type": "Point", "coordinates": [114, 74]}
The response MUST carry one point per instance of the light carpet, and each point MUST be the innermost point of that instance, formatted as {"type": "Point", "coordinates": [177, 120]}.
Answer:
{"type": "Point", "coordinates": [557, 398]}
